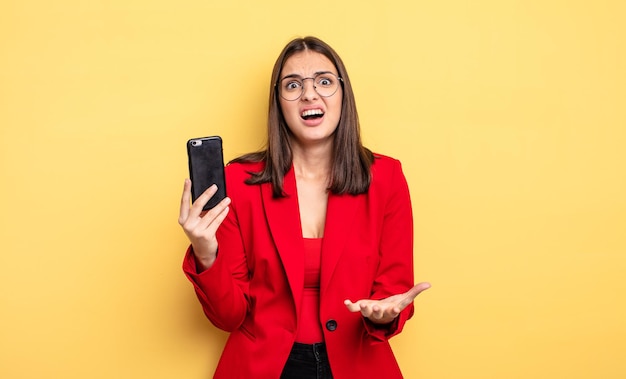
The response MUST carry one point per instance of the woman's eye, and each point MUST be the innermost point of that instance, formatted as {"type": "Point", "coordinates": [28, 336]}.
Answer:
{"type": "Point", "coordinates": [325, 82]}
{"type": "Point", "coordinates": [292, 86]}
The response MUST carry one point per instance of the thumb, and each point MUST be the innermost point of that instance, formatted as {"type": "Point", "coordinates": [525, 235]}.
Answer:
{"type": "Point", "coordinates": [417, 289]}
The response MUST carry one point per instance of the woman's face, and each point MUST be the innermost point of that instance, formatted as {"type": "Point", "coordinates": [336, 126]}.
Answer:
{"type": "Point", "coordinates": [312, 118]}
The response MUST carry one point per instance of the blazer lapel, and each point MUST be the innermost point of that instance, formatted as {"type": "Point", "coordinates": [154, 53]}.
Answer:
{"type": "Point", "coordinates": [337, 232]}
{"type": "Point", "coordinates": [283, 218]}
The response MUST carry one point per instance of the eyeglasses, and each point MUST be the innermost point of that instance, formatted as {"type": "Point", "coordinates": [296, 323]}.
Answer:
{"type": "Point", "coordinates": [325, 84]}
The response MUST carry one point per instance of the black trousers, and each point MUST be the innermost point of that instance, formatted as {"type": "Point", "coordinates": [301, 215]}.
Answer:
{"type": "Point", "coordinates": [307, 362]}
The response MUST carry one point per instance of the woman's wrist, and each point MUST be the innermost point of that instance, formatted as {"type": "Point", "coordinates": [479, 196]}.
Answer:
{"type": "Point", "coordinates": [203, 261]}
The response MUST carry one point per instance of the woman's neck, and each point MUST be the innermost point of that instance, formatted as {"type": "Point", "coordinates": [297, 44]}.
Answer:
{"type": "Point", "coordinates": [312, 162]}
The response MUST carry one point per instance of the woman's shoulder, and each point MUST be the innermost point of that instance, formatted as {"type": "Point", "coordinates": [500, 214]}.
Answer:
{"type": "Point", "coordinates": [238, 165]}
{"type": "Point", "coordinates": [386, 171]}
{"type": "Point", "coordinates": [241, 169]}
{"type": "Point", "coordinates": [385, 162]}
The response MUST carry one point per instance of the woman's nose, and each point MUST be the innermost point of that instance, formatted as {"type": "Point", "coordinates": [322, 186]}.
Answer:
{"type": "Point", "coordinates": [308, 91]}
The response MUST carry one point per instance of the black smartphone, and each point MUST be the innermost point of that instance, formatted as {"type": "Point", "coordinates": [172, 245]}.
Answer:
{"type": "Point", "coordinates": [206, 167]}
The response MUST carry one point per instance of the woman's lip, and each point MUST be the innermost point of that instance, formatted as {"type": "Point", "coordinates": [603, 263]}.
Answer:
{"type": "Point", "coordinates": [313, 121]}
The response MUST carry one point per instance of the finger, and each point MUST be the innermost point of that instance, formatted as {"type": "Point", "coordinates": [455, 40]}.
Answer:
{"type": "Point", "coordinates": [394, 311]}
{"type": "Point", "coordinates": [217, 221]}
{"type": "Point", "coordinates": [377, 312]}
{"type": "Point", "coordinates": [352, 307]}
{"type": "Point", "coordinates": [213, 214]}
{"type": "Point", "coordinates": [196, 207]}
{"type": "Point", "coordinates": [366, 309]}
{"type": "Point", "coordinates": [411, 294]}
{"type": "Point", "coordinates": [417, 289]}
{"type": "Point", "coordinates": [184, 202]}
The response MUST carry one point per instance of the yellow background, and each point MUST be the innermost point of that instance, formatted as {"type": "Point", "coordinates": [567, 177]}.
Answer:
{"type": "Point", "coordinates": [508, 117]}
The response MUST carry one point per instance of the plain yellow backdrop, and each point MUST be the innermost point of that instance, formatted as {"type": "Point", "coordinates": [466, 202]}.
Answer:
{"type": "Point", "coordinates": [508, 117]}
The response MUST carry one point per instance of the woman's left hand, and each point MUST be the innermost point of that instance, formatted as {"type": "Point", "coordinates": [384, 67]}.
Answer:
{"type": "Point", "coordinates": [386, 310]}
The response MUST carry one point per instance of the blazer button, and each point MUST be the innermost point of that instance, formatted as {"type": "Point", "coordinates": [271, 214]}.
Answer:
{"type": "Point", "coordinates": [331, 325]}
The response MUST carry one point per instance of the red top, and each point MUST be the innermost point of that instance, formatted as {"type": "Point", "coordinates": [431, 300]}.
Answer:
{"type": "Point", "coordinates": [309, 326]}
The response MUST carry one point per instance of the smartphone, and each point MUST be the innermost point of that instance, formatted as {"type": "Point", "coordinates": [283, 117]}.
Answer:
{"type": "Point", "coordinates": [206, 167]}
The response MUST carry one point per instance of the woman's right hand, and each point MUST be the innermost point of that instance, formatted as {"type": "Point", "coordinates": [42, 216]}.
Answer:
{"type": "Point", "coordinates": [200, 226]}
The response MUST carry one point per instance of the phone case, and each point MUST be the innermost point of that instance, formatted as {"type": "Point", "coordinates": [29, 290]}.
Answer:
{"type": "Point", "coordinates": [206, 167]}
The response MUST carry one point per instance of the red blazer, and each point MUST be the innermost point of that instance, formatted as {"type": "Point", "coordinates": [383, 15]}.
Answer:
{"type": "Point", "coordinates": [254, 288]}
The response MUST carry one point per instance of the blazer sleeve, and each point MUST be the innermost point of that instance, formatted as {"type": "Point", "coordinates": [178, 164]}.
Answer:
{"type": "Point", "coordinates": [223, 288]}
{"type": "Point", "coordinates": [395, 271]}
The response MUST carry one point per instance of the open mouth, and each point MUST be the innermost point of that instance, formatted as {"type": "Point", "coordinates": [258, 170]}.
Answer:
{"type": "Point", "coordinates": [312, 114]}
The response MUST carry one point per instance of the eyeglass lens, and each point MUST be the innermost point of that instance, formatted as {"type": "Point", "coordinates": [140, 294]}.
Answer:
{"type": "Point", "coordinates": [292, 87]}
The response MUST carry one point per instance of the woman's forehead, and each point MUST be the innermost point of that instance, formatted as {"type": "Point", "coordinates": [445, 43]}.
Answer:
{"type": "Point", "coordinates": [307, 63]}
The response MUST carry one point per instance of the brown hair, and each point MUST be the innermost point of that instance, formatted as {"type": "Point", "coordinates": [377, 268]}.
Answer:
{"type": "Point", "coordinates": [351, 161]}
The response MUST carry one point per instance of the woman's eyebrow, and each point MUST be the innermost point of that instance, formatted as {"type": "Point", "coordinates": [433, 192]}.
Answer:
{"type": "Point", "coordinates": [291, 76]}
{"type": "Point", "coordinates": [301, 77]}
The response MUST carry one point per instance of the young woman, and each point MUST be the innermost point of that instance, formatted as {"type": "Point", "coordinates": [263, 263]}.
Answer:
{"type": "Point", "coordinates": [310, 266]}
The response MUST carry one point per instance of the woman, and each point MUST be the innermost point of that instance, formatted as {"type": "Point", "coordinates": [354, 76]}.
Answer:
{"type": "Point", "coordinates": [314, 271]}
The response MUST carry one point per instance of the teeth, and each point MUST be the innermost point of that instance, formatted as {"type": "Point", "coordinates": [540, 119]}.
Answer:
{"type": "Point", "coordinates": [312, 112]}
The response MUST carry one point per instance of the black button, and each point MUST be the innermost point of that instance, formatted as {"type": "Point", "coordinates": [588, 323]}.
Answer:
{"type": "Point", "coordinates": [331, 325]}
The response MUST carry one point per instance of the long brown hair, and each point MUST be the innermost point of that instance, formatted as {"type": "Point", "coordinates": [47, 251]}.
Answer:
{"type": "Point", "coordinates": [351, 161]}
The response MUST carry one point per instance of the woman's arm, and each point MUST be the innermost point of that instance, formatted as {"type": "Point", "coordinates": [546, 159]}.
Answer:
{"type": "Point", "coordinates": [391, 302]}
{"type": "Point", "coordinates": [220, 282]}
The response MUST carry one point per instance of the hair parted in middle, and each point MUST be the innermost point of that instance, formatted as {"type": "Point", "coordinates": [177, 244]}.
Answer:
{"type": "Point", "coordinates": [351, 161]}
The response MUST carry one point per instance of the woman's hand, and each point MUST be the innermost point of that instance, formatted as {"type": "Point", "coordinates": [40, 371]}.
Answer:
{"type": "Point", "coordinates": [200, 226]}
{"type": "Point", "coordinates": [386, 310]}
